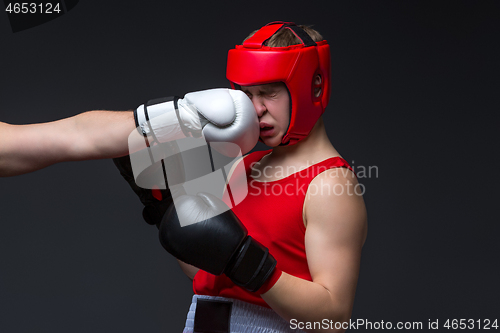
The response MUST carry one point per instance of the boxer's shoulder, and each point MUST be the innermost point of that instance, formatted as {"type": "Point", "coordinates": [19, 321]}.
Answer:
{"type": "Point", "coordinates": [272, 167]}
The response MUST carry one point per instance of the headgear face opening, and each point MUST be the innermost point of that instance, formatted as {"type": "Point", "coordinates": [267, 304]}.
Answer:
{"type": "Point", "coordinates": [297, 66]}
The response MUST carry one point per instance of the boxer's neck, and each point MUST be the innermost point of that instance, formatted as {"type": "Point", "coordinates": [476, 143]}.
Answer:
{"type": "Point", "coordinates": [315, 144]}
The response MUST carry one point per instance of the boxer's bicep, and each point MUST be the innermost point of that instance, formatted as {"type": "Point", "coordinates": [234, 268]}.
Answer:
{"type": "Point", "coordinates": [335, 233]}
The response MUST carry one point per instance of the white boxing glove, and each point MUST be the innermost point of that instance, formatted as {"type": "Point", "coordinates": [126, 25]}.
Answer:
{"type": "Point", "coordinates": [220, 115]}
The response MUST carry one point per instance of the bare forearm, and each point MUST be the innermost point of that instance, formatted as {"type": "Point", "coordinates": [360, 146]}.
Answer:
{"type": "Point", "coordinates": [103, 134]}
{"type": "Point", "coordinates": [305, 301]}
{"type": "Point", "coordinates": [89, 135]}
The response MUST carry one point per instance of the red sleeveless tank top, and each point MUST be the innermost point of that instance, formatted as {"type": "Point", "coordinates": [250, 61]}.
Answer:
{"type": "Point", "coordinates": [272, 213]}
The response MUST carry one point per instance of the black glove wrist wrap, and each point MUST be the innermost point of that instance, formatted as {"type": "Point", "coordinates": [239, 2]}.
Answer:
{"type": "Point", "coordinates": [252, 266]}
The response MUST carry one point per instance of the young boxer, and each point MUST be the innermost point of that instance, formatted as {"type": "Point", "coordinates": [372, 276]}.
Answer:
{"type": "Point", "coordinates": [288, 255]}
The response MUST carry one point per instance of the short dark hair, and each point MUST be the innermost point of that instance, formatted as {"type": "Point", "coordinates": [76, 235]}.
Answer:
{"type": "Point", "coordinates": [285, 37]}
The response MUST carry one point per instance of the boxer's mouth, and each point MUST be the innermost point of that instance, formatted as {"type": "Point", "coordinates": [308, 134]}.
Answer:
{"type": "Point", "coordinates": [266, 129]}
{"type": "Point", "coordinates": [264, 125]}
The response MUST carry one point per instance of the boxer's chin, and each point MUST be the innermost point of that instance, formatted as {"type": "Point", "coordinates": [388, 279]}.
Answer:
{"type": "Point", "coordinates": [273, 141]}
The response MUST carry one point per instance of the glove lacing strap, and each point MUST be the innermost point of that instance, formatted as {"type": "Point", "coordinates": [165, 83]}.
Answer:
{"type": "Point", "coordinates": [253, 265]}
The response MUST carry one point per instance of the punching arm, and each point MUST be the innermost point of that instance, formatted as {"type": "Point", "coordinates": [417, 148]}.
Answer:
{"type": "Point", "coordinates": [86, 136]}
{"type": "Point", "coordinates": [220, 115]}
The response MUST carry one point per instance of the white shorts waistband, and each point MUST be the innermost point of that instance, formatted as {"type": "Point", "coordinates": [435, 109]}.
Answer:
{"type": "Point", "coordinates": [245, 317]}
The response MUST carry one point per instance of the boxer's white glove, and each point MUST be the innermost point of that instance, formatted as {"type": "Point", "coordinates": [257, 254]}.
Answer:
{"type": "Point", "coordinates": [220, 115]}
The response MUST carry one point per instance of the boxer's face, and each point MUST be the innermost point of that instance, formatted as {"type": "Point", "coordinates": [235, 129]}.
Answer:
{"type": "Point", "coordinates": [272, 103]}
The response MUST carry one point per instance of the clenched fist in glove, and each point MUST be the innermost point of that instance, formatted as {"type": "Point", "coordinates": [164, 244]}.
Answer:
{"type": "Point", "coordinates": [155, 201]}
{"type": "Point", "coordinates": [218, 244]}
{"type": "Point", "coordinates": [220, 115]}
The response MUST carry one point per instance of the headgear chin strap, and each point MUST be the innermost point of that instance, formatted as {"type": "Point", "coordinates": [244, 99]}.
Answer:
{"type": "Point", "coordinates": [297, 65]}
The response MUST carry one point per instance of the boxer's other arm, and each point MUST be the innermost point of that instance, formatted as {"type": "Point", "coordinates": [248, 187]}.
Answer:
{"type": "Point", "coordinates": [335, 233]}
{"type": "Point", "coordinates": [191, 270]}
{"type": "Point", "coordinates": [86, 136]}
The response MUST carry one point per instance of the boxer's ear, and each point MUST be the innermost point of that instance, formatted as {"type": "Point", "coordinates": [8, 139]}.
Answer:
{"type": "Point", "coordinates": [317, 85]}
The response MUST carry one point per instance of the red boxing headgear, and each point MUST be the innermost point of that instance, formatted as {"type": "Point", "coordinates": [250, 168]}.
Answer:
{"type": "Point", "coordinates": [254, 64]}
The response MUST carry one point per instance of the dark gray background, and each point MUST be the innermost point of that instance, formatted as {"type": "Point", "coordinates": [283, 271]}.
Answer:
{"type": "Point", "coordinates": [415, 93]}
